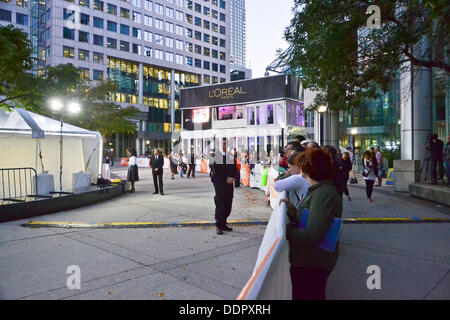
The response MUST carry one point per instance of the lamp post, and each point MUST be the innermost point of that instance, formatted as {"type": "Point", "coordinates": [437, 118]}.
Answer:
{"type": "Point", "coordinates": [58, 106]}
{"type": "Point", "coordinates": [353, 132]}
{"type": "Point", "coordinates": [322, 109]}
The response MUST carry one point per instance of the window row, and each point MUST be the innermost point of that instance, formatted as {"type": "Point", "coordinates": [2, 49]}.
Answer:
{"type": "Point", "coordinates": [6, 15]}
{"type": "Point", "coordinates": [197, 35]}
{"type": "Point", "coordinates": [206, 24]}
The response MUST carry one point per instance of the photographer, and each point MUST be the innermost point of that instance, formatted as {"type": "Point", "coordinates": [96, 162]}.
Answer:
{"type": "Point", "coordinates": [436, 159]}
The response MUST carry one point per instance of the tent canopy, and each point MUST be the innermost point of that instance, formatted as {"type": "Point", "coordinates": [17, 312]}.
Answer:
{"type": "Point", "coordinates": [24, 135]}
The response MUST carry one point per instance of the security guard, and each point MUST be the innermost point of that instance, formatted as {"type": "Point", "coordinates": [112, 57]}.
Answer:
{"type": "Point", "coordinates": [224, 173]}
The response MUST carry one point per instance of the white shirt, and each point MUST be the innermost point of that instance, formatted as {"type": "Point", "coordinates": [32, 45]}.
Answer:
{"type": "Point", "coordinates": [132, 161]}
{"type": "Point", "coordinates": [296, 185]}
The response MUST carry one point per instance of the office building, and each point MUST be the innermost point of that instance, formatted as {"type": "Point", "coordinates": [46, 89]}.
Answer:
{"type": "Point", "coordinates": [152, 48]}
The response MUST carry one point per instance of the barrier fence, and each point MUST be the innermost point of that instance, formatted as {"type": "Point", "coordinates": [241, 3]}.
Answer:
{"type": "Point", "coordinates": [271, 278]}
{"type": "Point", "coordinates": [16, 183]}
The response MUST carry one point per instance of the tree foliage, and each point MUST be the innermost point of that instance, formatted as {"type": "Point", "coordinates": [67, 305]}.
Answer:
{"type": "Point", "coordinates": [18, 86]}
{"type": "Point", "coordinates": [338, 56]}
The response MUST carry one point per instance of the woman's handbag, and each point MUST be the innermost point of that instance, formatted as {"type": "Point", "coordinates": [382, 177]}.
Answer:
{"type": "Point", "coordinates": [365, 172]}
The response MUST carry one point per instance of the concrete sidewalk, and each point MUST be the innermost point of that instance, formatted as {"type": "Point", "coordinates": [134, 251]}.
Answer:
{"type": "Point", "coordinates": [195, 263]}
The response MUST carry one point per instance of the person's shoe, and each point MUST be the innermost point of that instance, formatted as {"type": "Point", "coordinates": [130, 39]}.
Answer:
{"type": "Point", "coordinates": [370, 200]}
{"type": "Point", "coordinates": [162, 193]}
{"type": "Point", "coordinates": [172, 178]}
{"type": "Point", "coordinates": [348, 198]}
{"type": "Point", "coordinates": [378, 185]}
{"type": "Point", "coordinates": [226, 228]}
{"type": "Point", "coordinates": [219, 231]}
{"type": "Point", "coordinates": [156, 192]}
{"type": "Point", "coordinates": [433, 183]}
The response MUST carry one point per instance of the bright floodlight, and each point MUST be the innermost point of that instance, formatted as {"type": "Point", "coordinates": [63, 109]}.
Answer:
{"type": "Point", "coordinates": [354, 131]}
{"type": "Point", "coordinates": [56, 104]}
{"type": "Point", "coordinates": [322, 109]}
{"type": "Point", "coordinates": [74, 107]}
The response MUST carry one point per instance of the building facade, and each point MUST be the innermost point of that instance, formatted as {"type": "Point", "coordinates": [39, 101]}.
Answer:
{"type": "Point", "coordinates": [152, 48]}
{"type": "Point", "coordinates": [238, 41]}
{"type": "Point", "coordinates": [258, 115]}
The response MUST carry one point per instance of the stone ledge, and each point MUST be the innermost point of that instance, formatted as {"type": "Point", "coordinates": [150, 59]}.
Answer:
{"type": "Point", "coordinates": [436, 193]}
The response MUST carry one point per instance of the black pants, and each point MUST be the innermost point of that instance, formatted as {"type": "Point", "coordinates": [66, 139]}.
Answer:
{"type": "Point", "coordinates": [309, 283]}
{"type": "Point", "coordinates": [346, 189]}
{"type": "Point", "coordinates": [158, 176]}
{"type": "Point", "coordinates": [369, 187]}
{"type": "Point", "coordinates": [191, 170]}
{"type": "Point", "coordinates": [436, 163]}
{"type": "Point", "coordinates": [223, 201]}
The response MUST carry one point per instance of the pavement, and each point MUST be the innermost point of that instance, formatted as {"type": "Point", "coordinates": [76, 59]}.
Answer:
{"type": "Point", "coordinates": [194, 263]}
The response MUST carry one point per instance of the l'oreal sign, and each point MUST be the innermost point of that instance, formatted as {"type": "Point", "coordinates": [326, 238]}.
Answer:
{"type": "Point", "coordinates": [229, 93]}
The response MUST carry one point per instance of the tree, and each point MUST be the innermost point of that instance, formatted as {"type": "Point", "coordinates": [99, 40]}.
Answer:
{"type": "Point", "coordinates": [98, 112]}
{"type": "Point", "coordinates": [337, 55]}
{"type": "Point", "coordinates": [18, 86]}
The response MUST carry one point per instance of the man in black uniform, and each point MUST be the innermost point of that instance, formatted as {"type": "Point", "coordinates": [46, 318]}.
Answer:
{"type": "Point", "coordinates": [191, 165]}
{"type": "Point", "coordinates": [157, 163]}
{"type": "Point", "coordinates": [223, 175]}
{"type": "Point", "coordinates": [436, 159]}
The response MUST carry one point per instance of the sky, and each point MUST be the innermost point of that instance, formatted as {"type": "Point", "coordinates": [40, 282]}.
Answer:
{"type": "Point", "coordinates": [266, 21]}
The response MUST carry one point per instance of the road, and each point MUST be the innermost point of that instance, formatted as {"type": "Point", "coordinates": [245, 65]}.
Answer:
{"type": "Point", "coordinates": [195, 263]}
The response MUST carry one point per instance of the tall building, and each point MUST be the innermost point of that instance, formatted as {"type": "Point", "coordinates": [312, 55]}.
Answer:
{"type": "Point", "coordinates": [238, 41]}
{"type": "Point", "coordinates": [152, 48]}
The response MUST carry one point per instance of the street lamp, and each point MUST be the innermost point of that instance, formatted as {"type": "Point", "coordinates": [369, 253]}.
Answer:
{"type": "Point", "coordinates": [322, 109]}
{"type": "Point", "coordinates": [59, 106]}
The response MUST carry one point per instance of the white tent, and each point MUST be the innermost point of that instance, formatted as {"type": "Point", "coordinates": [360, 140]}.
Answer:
{"type": "Point", "coordinates": [23, 135]}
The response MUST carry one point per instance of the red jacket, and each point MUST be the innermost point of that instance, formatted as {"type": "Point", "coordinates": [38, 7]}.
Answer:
{"type": "Point", "coordinates": [283, 162]}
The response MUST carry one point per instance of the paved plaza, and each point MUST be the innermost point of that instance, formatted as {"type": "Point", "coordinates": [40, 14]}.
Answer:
{"type": "Point", "coordinates": [195, 263]}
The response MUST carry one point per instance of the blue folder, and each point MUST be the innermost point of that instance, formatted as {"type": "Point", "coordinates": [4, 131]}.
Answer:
{"type": "Point", "coordinates": [330, 241]}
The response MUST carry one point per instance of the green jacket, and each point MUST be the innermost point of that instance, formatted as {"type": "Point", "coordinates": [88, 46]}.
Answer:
{"type": "Point", "coordinates": [324, 204]}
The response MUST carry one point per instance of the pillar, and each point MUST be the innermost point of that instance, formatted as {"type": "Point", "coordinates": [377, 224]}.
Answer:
{"type": "Point", "coordinates": [141, 84]}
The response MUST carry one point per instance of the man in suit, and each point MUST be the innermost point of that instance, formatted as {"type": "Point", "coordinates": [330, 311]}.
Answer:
{"type": "Point", "coordinates": [223, 175]}
{"type": "Point", "coordinates": [157, 163]}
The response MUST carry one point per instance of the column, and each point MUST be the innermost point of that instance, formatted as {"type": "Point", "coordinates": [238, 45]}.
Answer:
{"type": "Point", "coordinates": [143, 141]}
{"type": "Point", "coordinates": [138, 147]}
{"type": "Point", "coordinates": [172, 102]}
{"type": "Point", "coordinates": [141, 84]}
{"type": "Point", "coordinates": [116, 149]}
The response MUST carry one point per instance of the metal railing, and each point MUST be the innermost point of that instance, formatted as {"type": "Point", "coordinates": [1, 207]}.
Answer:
{"type": "Point", "coordinates": [18, 183]}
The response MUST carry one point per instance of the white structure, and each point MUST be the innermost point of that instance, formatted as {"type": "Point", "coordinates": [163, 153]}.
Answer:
{"type": "Point", "coordinates": [258, 115]}
{"type": "Point", "coordinates": [23, 135]}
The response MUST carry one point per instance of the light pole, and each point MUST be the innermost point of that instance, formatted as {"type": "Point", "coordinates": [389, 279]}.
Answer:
{"type": "Point", "coordinates": [322, 109]}
{"type": "Point", "coordinates": [58, 106]}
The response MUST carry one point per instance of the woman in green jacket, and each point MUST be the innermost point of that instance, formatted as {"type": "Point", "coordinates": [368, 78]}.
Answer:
{"type": "Point", "coordinates": [311, 265]}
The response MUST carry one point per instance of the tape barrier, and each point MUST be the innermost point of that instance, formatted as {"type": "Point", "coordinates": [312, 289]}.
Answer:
{"type": "Point", "coordinates": [245, 175]}
{"type": "Point", "coordinates": [124, 162]}
{"type": "Point", "coordinates": [271, 278]}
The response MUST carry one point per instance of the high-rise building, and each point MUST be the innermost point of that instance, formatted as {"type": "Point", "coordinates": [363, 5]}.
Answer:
{"type": "Point", "coordinates": [238, 41]}
{"type": "Point", "coordinates": [148, 46]}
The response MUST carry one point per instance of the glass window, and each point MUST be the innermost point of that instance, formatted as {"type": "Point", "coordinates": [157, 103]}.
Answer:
{"type": "Point", "coordinates": [222, 69]}
{"type": "Point", "coordinates": [136, 17]}
{"type": "Point", "coordinates": [98, 57]}
{"type": "Point", "coordinates": [124, 46]}
{"type": "Point", "coordinates": [112, 26]}
{"type": "Point", "coordinates": [84, 3]}
{"type": "Point", "coordinates": [83, 55]}
{"type": "Point", "coordinates": [98, 23]}
{"type": "Point", "coordinates": [84, 73]}
{"type": "Point", "coordinates": [68, 52]}
{"type": "Point", "coordinates": [22, 19]}
{"type": "Point", "coordinates": [125, 13]}
{"type": "Point", "coordinates": [137, 33]}
{"type": "Point", "coordinates": [112, 9]}
{"type": "Point", "coordinates": [148, 5]}
{"type": "Point", "coordinates": [222, 30]}
{"type": "Point", "coordinates": [124, 29]}
{"type": "Point", "coordinates": [198, 49]}
{"type": "Point", "coordinates": [222, 17]}
{"type": "Point", "coordinates": [111, 43]}
{"type": "Point", "coordinates": [206, 65]}
{"type": "Point", "coordinates": [83, 36]}
{"type": "Point", "coordinates": [19, 3]}
{"type": "Point", "coordinates": [198, 63]}
{"type": "Point", "coordinates": [98, 5]}
{"type": "Point", "coordinates": [147, 51]}
{"type": "Point", "coordinates": [148, 36]}
{"type": "Point", "coordinates": [98, 75]}
{"type": "Point", "coordinates": [198, 22]}
{"type": "Point", "coordinates": [148, 21]}
{"type": "Point", "coordinates": [84, 19]}
{"type": "Point", "coordinates": [137, 49]}
{"type": "Point", "coordinates": [136, 3]}
{"type": "Point", "coordinates": [206, 11]}
{"type": "Point", "coordinates": [68, 33]}
{"type": "Point", "coordinates": [222, 4]}
{"type": "Point", "coordinates": [198, 8]}
{"type": "Point", "coordinates": [98, 40]}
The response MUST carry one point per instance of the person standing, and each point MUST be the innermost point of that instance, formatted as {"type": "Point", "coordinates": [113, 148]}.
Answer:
{"type": "Point", "coordinates": [447, 159]}
{"type": "Point", "coordinates": [380, 174]}
{"type": "Point", "coordinates": [133, 173]}
{"type": "Point", "coordinates": [172, 165]}
{"type": "Point", "coordinates": [223, 174]}
{"type": "Point", "coordinates": [369, 173]}
{"type": "Point", "coordinates": [343, 167]}
{"type": "Point", "coordinates": [191, 166]}
{"type": "Point", "coordinates": [157, 163]}
{"type": "Point", "coordinates": [436, 158]}
{"type": "Point", "coordinates": [310, 265]}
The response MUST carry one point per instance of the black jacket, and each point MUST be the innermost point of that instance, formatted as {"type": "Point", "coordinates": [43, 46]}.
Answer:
{"type": "Point", "coordinates": [157, 163]}
{"type": "Point", "coordinates": [221, 170]}
{"type": "Point", "coordinates": [437, 149]}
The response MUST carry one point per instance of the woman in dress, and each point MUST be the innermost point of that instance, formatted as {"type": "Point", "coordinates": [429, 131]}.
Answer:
{"type": "Point", "coordinates": [133, 174]}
